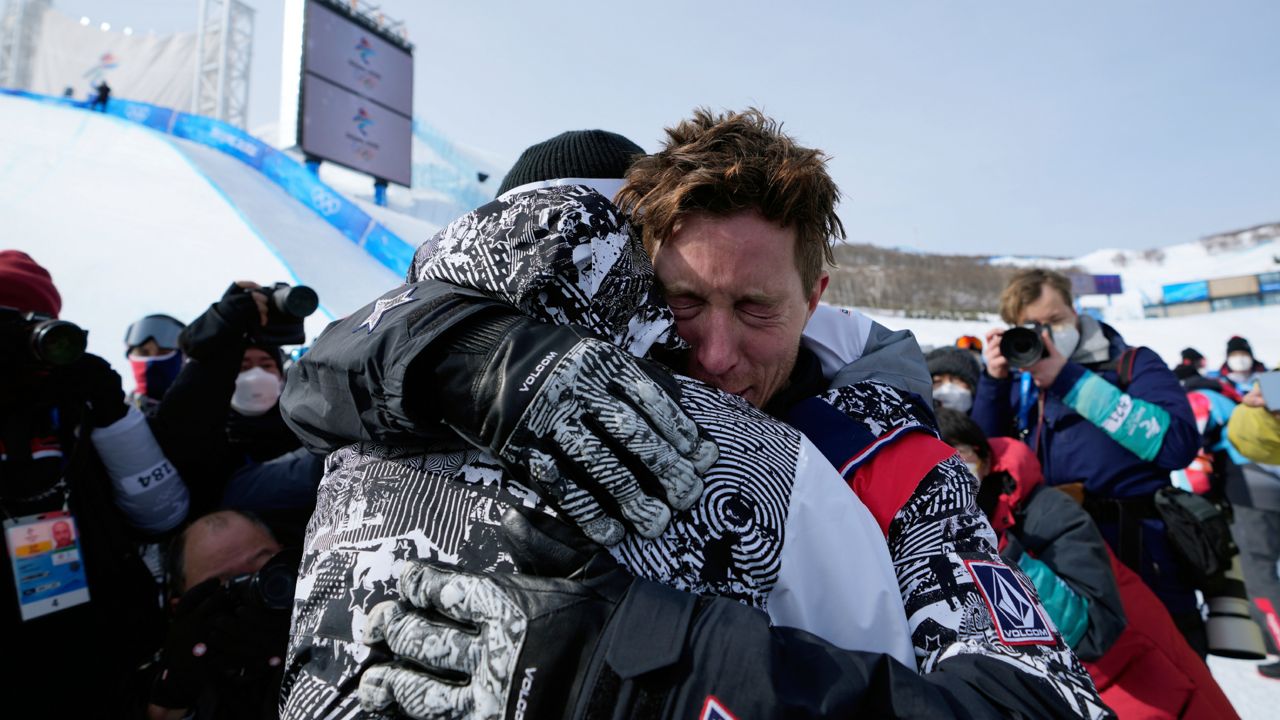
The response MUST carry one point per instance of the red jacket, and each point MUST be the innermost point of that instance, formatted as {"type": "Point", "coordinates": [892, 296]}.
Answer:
{"type": "Point", "coordinates": [1149, 671]}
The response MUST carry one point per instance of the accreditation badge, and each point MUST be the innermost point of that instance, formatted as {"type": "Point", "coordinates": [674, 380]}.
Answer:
{"type": "Point", "coordinates": [48, 571]}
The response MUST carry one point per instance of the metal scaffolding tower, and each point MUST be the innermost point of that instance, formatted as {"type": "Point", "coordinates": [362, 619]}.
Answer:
{"type": "Point", "coordinates": [18, 30]}
{"type": "Point", "coordinates": [224, 51]}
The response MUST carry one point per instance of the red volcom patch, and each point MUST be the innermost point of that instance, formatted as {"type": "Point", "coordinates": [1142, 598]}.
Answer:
{"type": "Point", "coordinates": [712, 709]}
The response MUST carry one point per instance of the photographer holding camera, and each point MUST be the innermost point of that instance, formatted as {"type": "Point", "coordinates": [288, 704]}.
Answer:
{"type": "Point", "coordinates": [1108, 423]}
{"type": "Point", "coordinates": [82, 480]}
{"type": "Point", "coordinates": [231, 592]}
{"type": "Point", "coordinates": [220, 422]}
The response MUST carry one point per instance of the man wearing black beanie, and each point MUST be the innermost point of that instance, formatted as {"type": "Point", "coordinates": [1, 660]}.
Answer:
{"type": "Point", "coordinates": [570, 158]}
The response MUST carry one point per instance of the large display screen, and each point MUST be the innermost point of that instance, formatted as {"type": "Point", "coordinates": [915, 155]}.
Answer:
{"type": "Point", "coordinates": [354, 131]}
{"type": "Point", "coordinates": [357, 96]}
{"type": "Point", "coordinates": [342, 52]}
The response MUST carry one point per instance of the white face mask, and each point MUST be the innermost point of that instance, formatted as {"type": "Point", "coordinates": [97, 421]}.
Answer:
{"type": "Point", "coordinates": [1240, 363]}
{"type": "Point", "coordinates": [956, 397]}
{"type": "Point", "coordinates": [256, 392]}
{"type": "Point", "coordinates": [1067, 339]}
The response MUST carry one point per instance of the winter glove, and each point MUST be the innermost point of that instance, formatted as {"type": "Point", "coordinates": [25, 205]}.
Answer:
{"type": "Point", "coordinates": [224, 326]}
{"type": "Point", "coordinates": [91, 380]}
{"type": "Point", "coordinates": [214, 632]}
{"type": "Point", "coordinates": [597, 431]}
{"type": "Point", "coordinates": [589, 640]}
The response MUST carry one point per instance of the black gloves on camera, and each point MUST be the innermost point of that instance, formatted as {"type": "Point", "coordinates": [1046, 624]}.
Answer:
{"type": "Point", "coordinates": [597, 431]}
{"type": "Point", "coordinates": [91, 380]}
{"type": "Point", "coordinates": [225, 324]}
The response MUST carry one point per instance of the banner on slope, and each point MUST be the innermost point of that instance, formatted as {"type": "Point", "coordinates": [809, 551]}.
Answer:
{"type": "Point", "coordinates": [151, 68]}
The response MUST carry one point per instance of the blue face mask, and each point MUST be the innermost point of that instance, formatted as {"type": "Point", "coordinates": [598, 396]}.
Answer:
{"type": "Point", "coordinates": [154, 375]}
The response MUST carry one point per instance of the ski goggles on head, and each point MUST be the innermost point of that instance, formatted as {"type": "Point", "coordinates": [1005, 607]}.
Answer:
{"type": "Point", "coordinates": [969, 342]}
{"type": "Point", "coordinates": [161, 328]}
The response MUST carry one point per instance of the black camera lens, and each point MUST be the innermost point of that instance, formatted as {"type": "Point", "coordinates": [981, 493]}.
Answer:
{"type": "Point", "coordinates": [1022, 346]}
{"type": "Point", "coordinates": [298, 301]}
{"type": "Point", "coordinates": [58, 342]}
{"type": "Point", "coordinates": [275, 585]}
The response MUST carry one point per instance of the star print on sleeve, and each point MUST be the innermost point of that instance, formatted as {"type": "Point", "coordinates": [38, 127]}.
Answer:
{"type": "Point", "coordinates": [383, 306]}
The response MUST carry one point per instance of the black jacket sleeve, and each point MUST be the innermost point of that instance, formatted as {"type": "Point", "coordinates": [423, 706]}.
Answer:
{"type": "Point", "coordinates": [190, 421]}
{"type": "Point", "coordinates": [360, 379]}
{"type": "Point", "coordinates": [1057, 531]}
{"type": "Point", "coordinates": [732, 657]}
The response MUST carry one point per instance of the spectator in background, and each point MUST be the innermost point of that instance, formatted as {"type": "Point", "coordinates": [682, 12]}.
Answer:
{"type": "Point", "coordinates": [151, 346]}
{"type": "Point", "coordinates": [955, 377]}
{"type": "Point", "coordinates": [220, 420]}
{"type": "Point", "coordinates": [223, 656]}
{"type": "Point", "coordinates": [1255, 431]}
{"type": "Point", "coordinates": [1190, 372]}
{"type": "Point", "coordinates": [1110, 432]}
{"type": "Point", "coordinates": [1139, 661]}
{"type": "Point", "coordinates": [1191, 358]}
{"type": "Point", "coordinates": [74, 453]}
{"type": "Point", "coordinates": [101, 97]}
{"type": "Point", "coordinates": [1241, 367]}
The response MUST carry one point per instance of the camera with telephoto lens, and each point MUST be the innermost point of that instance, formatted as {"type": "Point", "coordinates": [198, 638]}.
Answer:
{"type": "Point", "coordinates": [1022, 346]}
{"type": "Point", "coordinates": [39, 338]}
{"type": "Point", "coordinates": [287, 306]}
{"type": "Point", "coordinates": [271, 587]}
{"type": "Point", "coordinates": [1232, 632]}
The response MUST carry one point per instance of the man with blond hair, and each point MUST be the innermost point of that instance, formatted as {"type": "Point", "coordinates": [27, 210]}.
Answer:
{"type": "Point", "coordinates": [1108, 422]}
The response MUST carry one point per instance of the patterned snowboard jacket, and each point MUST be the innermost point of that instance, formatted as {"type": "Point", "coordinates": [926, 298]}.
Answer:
{"type": "Point", "coordinates": [774, 528]}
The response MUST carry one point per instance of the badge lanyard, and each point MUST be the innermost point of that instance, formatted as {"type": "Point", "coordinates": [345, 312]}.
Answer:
{"type": "Point", "coordinates": [47, 566]}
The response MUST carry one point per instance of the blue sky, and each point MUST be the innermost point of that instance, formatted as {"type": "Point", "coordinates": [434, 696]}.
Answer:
{"type": "Point", "coordinates": [971, 127]}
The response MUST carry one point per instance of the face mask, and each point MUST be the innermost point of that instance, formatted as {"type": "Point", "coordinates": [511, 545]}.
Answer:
{"type": "Point", "coordinates": [154, 375]}
{"type": "Point", "coordinates": [951, 395]}
{"type": "Point", "coordinates": [256, 392]}
{"type": "Point", "coordinates": [1067, 338]}
{"type": "Point", "coordinates": [1240, 363]}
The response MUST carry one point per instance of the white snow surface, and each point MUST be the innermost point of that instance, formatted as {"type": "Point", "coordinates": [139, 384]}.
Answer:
{"type": "Point", "coordinates": [1144, 277]}
{"type": "Point", "coordinates": [129, 221]}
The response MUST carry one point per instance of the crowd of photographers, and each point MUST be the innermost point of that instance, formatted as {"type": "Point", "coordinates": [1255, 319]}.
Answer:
{"type": "Point", "coordinates": [152, 537]}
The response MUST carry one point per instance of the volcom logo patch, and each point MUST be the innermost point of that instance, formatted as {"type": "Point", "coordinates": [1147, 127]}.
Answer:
{"type": "Point", "coordinates": [537, 370]}
{"type": "Point", "coordinates": [713, 710]}
{"type": "Point", "coordinates": [1017, 619]}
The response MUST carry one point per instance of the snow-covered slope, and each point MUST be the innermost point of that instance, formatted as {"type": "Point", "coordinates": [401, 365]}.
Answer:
{"type": "Point", "coordinates": [1207, 333]}
{"type": "Point", "coordinates": [1145, 272]}
{"type": "Point", "coordinates": [130, 222]}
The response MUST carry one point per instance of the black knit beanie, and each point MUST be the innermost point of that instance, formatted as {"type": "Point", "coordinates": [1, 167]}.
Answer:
{"type": "Point", "coordinates": [1239, 344]}
{"type": "Point", "coordinates": [1191, 356]}
{"type": "Point", "coordinates": [955, 361]}
{"type": "Point", "coordinates": [597, 154]}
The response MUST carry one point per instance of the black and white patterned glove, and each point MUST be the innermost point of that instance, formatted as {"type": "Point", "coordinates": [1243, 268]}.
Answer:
{"type": "Point", "coordinates": [598, 432]}
{"type": "Point", "coordinates": [465, 645]}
